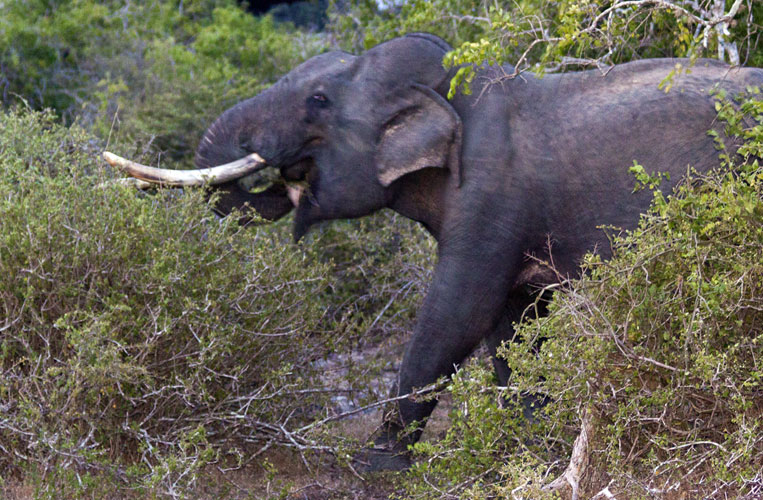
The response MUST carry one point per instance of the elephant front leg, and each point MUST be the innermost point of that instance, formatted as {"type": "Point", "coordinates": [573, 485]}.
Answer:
{"type": "Point", "coordinates": [464, 302]}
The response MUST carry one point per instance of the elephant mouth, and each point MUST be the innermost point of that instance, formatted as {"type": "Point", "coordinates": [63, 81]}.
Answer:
{"type": "Point", "coordinates": [297, 177]}
{"type": "Point", "coordinates": [295, 192]}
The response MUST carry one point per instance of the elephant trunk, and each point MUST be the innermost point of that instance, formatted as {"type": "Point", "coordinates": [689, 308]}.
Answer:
{"type": "Point", "coordinates": [229, 139]}
{"type": "Point", "coordinates": [271, 204]}
{"type": "Point", "coordinates": [225, 158]}
{"type": "Point", "coordinates": [246, 128]}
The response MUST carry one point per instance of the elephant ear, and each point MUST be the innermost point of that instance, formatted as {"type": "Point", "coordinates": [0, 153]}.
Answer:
{"type": "Point", "coordinates": [424, 131]}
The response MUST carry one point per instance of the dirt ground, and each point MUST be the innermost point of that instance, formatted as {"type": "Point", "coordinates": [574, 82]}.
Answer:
{"type": "Point", "coordinates": [327, 481]}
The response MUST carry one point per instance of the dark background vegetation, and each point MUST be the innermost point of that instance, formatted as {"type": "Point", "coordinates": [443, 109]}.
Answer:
{"type": "Point", "coordinates": [149, 349]}
{"type": "Point", "coordinates": [304, 14]}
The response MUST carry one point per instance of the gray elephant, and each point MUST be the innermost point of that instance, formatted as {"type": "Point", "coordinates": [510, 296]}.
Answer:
{"type": "Point", "coordinates": [520, 171]}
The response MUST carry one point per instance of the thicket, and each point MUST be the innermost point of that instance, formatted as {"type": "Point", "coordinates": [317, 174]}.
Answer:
{"type": "Point", "coordinates": [558, 35]}
{"type": "Point", "coordinates": [143, 340]}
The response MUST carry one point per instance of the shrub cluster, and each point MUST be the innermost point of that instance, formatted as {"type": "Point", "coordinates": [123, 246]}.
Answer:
{"type": "Point", "coordinates": [554, 35]}
{"type": "Point", "coordinates": [132, 322]}
{"type": "Point", "coordinates": [143, 339]}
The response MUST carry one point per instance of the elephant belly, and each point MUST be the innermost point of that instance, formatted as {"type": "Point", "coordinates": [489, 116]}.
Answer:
{"type": "Point", "coordinates": [536, 274]}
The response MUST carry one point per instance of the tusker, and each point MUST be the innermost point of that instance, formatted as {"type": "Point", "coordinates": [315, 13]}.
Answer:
{"type": "Point", "coordinates": [521, 171]}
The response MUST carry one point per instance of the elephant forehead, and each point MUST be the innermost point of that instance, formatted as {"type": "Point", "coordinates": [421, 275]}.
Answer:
{"type": "Point", "coordinates": [321, 66]}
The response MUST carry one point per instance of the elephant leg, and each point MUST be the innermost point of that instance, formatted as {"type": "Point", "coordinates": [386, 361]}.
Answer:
{"type": "Point", "coordinates": [520, 305]}
{"type": "Point", "coordinates": [464, 303]}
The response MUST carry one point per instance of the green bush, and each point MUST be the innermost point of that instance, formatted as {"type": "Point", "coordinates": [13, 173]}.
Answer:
{"type": "Point", "coordinates": [135, 321]}
{"type": "Point", "coordinates": [181, 87]}
{"type": "Point", "coordinates": [143, 339]}
{"type": "Point", "coordinates": [661, 346]}
{"type": "Point", "coordinates": [151, 75]}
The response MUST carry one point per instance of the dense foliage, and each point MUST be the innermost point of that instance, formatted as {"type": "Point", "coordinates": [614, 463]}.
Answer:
{"type": "Point", "coordinates": [143, 342]}
{"type": "Point", "coordinates": [553, 35]}
{"type": "Point", "coordinates": [144, 325]}
{"type": "Point", "coordinates": [123, 309]}
{"type": "Point", "coordinates": [151, 75]}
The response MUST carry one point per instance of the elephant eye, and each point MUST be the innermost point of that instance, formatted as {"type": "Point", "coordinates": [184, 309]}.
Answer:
{"type": "Point", "coordinates": [319, 99]}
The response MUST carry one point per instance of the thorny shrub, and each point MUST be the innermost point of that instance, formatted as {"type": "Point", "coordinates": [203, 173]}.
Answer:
{"type": "Point", "coordinates": [662, 346]}
{"type": "Point", "coordinates": [142, 339]}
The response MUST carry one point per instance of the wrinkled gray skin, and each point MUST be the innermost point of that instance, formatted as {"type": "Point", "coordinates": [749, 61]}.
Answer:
{"type": "Point", "coordinates": [493, 176]}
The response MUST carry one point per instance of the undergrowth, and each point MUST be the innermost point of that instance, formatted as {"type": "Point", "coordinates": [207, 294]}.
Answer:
{"type": "Point", "coordinates": [142, 339]}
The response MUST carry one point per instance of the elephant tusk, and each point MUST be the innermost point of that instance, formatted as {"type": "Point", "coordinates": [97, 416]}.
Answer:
{"type": "Point", "coordinates": [128, 181]}
{"type": "Point", "coordinates": [199, 177]}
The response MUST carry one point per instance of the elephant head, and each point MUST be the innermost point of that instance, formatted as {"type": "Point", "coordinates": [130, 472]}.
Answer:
{"type": "Point", "coordinates": [341, 129]}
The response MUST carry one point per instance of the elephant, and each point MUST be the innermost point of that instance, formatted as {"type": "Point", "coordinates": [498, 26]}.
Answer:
{"type": "Point", "coordinates": [521, 171]}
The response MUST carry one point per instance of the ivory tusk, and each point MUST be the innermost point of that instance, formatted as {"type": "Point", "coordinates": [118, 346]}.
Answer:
{"type": "Point", "coordinates": [129, 181]}
{"type": "Point", "coordinates": [199, 177]}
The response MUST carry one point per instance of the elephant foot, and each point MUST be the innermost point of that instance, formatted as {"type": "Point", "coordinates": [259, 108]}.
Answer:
{"type": "Point", "coordinates": [374, 459]}
{"type": "Point", "coordinates": [389, 451]}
